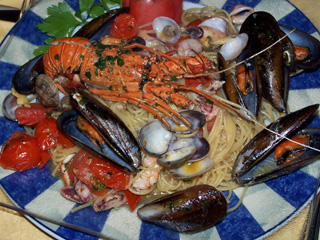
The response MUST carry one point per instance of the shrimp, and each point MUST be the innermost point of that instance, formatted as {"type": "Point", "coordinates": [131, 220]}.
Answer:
{"type": "Point", "coordinates": [145, 181]}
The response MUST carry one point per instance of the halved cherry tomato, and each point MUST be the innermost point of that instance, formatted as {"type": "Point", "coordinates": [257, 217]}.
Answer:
{"type": "Point", "coordinates": [64, 140]}
{"type": "Point", "coordinates": [45, 157]}
{"type": "Point", "coordinates": [96, 173]}
{"type": "Point", "coordinates": [132, 199]}
{"type": "Point", "coordinates": [33, 115]}
{"type": "Point", "coordinates": [109, 175]}
{"type": "Point", "coordinates": [47, 133]}
{"type": "Point", "coordinates": [20, 152]}
{"type": "Point", "coordinates": [124, 26]}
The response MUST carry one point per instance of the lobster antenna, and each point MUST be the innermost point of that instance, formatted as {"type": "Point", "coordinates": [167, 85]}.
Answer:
{"type": "Point", "coordinates": [256, 54]}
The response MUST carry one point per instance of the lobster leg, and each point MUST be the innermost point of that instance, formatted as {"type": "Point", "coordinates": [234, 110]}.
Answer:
{"type": "Point", "coordinates": [214, 100]}
{"type": "Point", "coordinates": [140, 100]}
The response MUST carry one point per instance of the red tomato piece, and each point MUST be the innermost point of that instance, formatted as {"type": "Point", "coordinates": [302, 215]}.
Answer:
{"type": "Point", "coordinates": [109, 175]}
{"type": "Point", "coordinates": [132, 199]}
{"type": "Point", "coordinates": [97, 174]}
{"type": "Point", "coordinates": [124, 26]}
{"type": "Point", "coordinates": [194, 23]}
{"type": "Point", "coordinates": [145, 11]}
{"type": "Point", "coordinates": [20, 152]}
{"type": "Point", "coordinates": [210, 124]}
{"type": "Point", "coordinates": [47, 133]}
{"type": "Point", "coordinates": [33, 115]}
{"type": "Point", "coordinates": [64, 140]}
{"type": "Point", "coordinates": [45, 157]}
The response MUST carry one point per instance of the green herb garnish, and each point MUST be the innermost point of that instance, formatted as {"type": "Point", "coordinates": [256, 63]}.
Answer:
{"type": "Point", "coordinates": [61, 22]}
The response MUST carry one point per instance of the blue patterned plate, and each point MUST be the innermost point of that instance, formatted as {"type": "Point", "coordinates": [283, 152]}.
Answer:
{"type": "Point", "coordinates": [266, 207]}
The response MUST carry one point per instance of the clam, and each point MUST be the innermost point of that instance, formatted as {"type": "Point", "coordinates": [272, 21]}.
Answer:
{"type": "Point", "coordinates": [216, 23]}
{"type": "Point", "coordinates": [192, 169]}
{"type": "Point", "coordinates": [255, 163]}
{"type": "Point", "coordinates": [155, 44]}
{"type": "Point", "coordinates": [154, 138]}
{"type": "Point", "coordinates": [179, 146]}
{"type": "Point", "coordinates": [9, 106]}
{"type": "Point", "coordinates": [190, 210]}
{"type": "Point", "coordinates": [184, 149]}
{"type": "Point", "coordinates": [167, 29]}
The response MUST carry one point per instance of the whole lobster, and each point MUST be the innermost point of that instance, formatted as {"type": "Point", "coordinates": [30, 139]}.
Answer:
{"type": "Point", "coordinates": [148, 79]}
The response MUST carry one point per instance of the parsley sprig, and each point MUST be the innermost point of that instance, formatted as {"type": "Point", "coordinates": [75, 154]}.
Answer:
{"type": "Point", "coordinates": [61, 22]}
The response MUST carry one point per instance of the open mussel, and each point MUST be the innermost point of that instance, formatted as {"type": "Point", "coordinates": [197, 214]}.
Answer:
{"type": "Point", "coordinates": [301, 39]}
{"type": "Point", "coordinates": [190, 210]}
{"type": "Point", "coordinates": [255, 163]}
{"type": "Point", "coordinates": [100, 27]}
{"type": "Point", "coordinates": [120, 146]}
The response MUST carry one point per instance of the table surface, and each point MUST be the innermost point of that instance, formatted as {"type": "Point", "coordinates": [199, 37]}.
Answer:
{"type": "Point", "coordinates": [14, 226]}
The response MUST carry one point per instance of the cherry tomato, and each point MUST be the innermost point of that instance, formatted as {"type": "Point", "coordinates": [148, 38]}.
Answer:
{"type": "Point", "coordinates": [124, 26]}
{"type": "Point", "coordinates": [33, 115]}
{"type": "Point", "coordinates": [20, 152]}
{"type": "Point", "coordinates": [64, 140]}
{"type": "Point", "coordinates": [109, 175]}
{"type": "Point", "coordinates": [47, 133]}
{"type": "Point", "coordinates": [132, 199]}
{"type": "Point", "coordinates": [97, 174]}
{"type": "Point", "coordinates": [45, 157]}
{"type": "Point", "coordinates": [145, 11]}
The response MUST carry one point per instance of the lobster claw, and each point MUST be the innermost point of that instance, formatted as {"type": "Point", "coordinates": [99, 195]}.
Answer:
{"type": "Point", "coordinates": [255, 163]}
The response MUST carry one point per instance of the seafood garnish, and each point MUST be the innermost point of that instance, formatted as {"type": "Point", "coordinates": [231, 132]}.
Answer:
{"type": "Point", "coordinates": [190, 210]}
{"type": "Point", "coordinates": [252, 165]}
{"type": "Point", "coordinates": [167, 30]}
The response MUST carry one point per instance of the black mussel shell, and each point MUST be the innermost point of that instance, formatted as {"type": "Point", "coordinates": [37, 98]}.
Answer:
{"type": "Point", "coordinates": [302, 39]}
{"type": "Point", "coordinates": [253, 155]}
{"type": "Point", "coordinates": [190, 210]}
{"type": "Point", "coordinates": [121, 146]}
{"type": "Point", "coordinates": [67, 123]}
{"type": "Point", "coordinates": [24, 78]}
{"type": "Point", "coordinates": [100, 27]}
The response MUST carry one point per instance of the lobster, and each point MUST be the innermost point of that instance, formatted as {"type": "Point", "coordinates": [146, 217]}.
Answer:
{"type": "Point", "coordinates": [119, 73]}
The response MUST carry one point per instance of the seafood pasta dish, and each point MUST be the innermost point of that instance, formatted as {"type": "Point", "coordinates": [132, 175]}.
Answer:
{"type": "Point", "coordinates": [165, 112]}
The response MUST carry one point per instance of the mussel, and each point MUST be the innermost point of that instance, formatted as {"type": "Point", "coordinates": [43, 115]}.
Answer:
{"type": "Point", "coordinates": [255, 163]}
{"type": "Point", "coordinates": [120, 145]}
{"type": "Point", "coordinates": [302, 39]}
{"type": "Point", "coordinates": [271, 69]}
{"type": "Point", "coordinates": [263, 31]}
{"type": "Point", "coordinates": [190, 210]}
{"type": "Point", "coordinates": [178, 147]}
